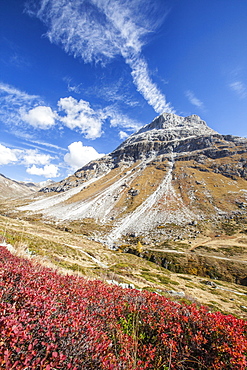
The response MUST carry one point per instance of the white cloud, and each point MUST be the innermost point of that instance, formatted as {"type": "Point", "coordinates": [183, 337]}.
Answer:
{"type": "Point", "coordinates": [193, 99]}
{"type": "Point", "coordinates": [123, 135]}
{"type": "Point", "coordinates": [40, 117]}
{"type": "Point", "coordinates": [29, 158]}
{"type": "Point", "coordinates": [17, 107]}
{"type": "Point", "coordinates": [7, 155]}
{"type": "Point", "coordinates": [100, 30]}
{"type": "Point", "coordinates": [240, 88]}
{"type": "Point", "coordinates": [48, 171]}
{"type": "Point", "coordinates": [79, 155]}
{"type": "Point", "coordinates": [32, 156]}
{"type": "Point", "coordinates": [80, 115]}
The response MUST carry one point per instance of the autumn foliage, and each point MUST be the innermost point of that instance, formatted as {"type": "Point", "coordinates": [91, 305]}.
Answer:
{"type": "Point", "coordinates": [50, 321]}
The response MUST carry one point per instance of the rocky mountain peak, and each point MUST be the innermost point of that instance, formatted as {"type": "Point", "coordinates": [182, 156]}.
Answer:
{"type": "Point", "coordinates": [173, 126]}
{"type": "Point", "coordinates": [165, 134]}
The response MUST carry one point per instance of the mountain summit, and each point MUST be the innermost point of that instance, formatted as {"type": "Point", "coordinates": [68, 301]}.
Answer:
{"type": "Point", "coordinates": [178, 126]}
{"type": "Point", "coordinates": [175, 170]}
{"type": "Point", "coordinates": [165, 134]}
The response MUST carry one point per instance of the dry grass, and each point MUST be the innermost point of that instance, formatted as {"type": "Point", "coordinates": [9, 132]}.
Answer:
{"type": "Point", "coordinates": [203, 189]}
{"type": "Point", "coordinates": [146, 182]}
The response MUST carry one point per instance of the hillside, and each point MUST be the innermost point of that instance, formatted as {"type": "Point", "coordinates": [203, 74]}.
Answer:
{"type": "Point", "coordinates": [52, 321]}
{"type": "Point", "coordinates": [11, 189]}
{"type": "Point", "coordinates": [71, 252]}
{"type": "Point", "coordinates": [14, 189]}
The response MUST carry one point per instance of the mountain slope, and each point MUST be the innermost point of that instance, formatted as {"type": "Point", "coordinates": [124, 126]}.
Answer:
{"type": "Point", "coordinates": [14, 189]}
{"type": "Point", "coordinates": [174, 170]}
{"type": "Point", "coordinates": [11, 189]}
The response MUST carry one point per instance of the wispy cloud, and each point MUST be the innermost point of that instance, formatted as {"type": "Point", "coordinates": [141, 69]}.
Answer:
{"type": "Point", "coordinates": [118, 119]}
{"type": "Point", "coordinates": [146, 87]}
{"type": "Point", "coordinates": [71, 86]}
{"type": "Point", "coordinates": [12, 54]}
{"type": "Point", "coordinates": [74, 88]}
{"type": "Point", "coordinates": [240, 88]}
{"type": "Point", "coordinates": [19, 61]}
{"type": "Point", "coordinates": [12, 101]}
{"type": "Point", "coordinates": [117, 92]}
{"type": "Point", "coordinates": [18, 95]}
{"type": "Point", "coordinates": [99, 30]}
{"type": "Point", "coordinates": [49, 145]}
{"type": "Point", "coordinates": [194, 100]}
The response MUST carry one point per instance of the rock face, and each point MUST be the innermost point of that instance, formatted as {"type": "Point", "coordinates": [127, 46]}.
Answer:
{"type": "Point", "coordinates": [173, 170]}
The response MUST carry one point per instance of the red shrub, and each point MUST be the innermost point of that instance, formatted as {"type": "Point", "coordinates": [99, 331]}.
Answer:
{"type": "Point", "coordinates": [49, 321]}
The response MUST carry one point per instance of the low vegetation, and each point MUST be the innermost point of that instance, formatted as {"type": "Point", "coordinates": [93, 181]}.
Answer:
{"type": "Point", "coordinates": [50, 321]}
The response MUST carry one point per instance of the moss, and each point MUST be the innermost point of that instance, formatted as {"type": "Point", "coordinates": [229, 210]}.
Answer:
{"type": "Point", "coordinates": [191, 285]}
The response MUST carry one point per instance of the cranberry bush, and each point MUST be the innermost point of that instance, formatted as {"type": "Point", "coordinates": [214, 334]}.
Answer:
{"type": "Point", "coordinates": [50, 321]}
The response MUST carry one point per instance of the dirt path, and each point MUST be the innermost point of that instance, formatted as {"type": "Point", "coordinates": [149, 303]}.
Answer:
{"type": "Point", "coordinates": [96, 260]}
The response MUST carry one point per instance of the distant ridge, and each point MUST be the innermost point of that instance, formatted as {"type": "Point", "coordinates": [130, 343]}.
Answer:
{"type": "Point", "coordinates": [16, 189]}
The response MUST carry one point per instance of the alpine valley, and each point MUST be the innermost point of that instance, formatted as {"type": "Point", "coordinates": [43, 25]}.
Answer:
{"type": "Point", "coordinates": [165, 208]}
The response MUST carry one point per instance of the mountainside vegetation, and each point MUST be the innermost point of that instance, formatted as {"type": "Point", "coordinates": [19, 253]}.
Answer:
{"type": "Point", "coordinates": [49, 321]}
{"type": "Point", "coordinates": [174, 272]}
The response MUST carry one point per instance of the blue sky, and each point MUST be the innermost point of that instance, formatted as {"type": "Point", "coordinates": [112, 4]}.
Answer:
{"type": "Point", "coordinates": [78, 76]}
